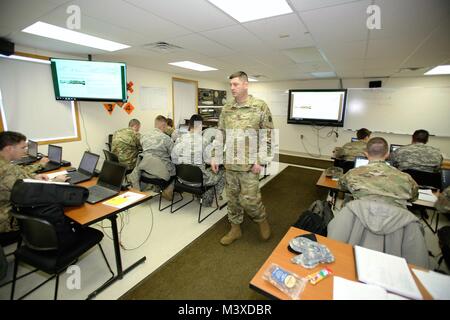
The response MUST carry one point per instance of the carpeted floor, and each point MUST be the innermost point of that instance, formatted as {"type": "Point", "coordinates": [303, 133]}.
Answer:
{"type": "Point", "coordinates": [308, 162]}
{"type": "Point", "coordinates": [207, 270]}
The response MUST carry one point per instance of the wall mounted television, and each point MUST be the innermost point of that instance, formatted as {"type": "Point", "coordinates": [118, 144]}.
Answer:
{"type": "Point", "coordinates": [317, 107]}
{"type": "Point", "coordinates": [82, 80]}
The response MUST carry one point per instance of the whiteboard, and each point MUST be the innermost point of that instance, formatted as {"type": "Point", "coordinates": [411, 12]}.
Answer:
{"type": "Point", "coordinates": [28, 104]}
{"type": "Point", "coordinates": [399, 110]}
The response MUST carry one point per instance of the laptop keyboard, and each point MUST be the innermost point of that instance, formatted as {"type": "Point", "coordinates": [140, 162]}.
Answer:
{"type": "Point", "coordinates": [77, 177]}
{"type": "Point", "coordinates": [98, 193]}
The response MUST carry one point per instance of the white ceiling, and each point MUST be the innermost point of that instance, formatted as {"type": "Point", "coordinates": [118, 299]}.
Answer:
{"type": "Point", "coordinates": [321, 35]}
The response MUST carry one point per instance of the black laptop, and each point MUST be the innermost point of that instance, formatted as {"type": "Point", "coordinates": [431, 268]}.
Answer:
{"type": "Point", "coordinates": [86, 169]}
{"type": "Point", "coordinates": [32, 154]}
{"type": "Point", "coordinates": [54, 157]}
{"type": "Point", "coordinates": [109, 182]}
{"type": "Point", "coordinates": [394, 147]}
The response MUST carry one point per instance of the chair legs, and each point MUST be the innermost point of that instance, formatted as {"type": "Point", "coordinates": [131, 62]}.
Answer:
{"type": "Point", "coordinates": [200, 220]}
{"type": "Point", "coordinates": [172, 203]}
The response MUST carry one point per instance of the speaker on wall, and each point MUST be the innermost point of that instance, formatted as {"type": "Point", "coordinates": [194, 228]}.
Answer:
{"type": "Point", "coordinates": [6, 47]}
{"type": "Point", "coordinates": [375, 84]}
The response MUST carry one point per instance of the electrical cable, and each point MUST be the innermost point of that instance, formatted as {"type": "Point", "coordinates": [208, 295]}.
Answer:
{"type": "Point", "coordinates": [84, 128]}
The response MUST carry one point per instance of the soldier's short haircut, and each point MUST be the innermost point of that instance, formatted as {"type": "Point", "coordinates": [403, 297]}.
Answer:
{"type": "Point", "coordinates": [134, 122]}
{"type": "Point", "coordinates": [169, 122]}
{"type": "Point", "coordinates": [420, 136]}
{"type": "Point", "coordinates": [161, 118]}
{"type": "Point", "coordinates": [240, 74]}
{"type": "Point", "coordinates": [193, 119]}
{"type": "Point", "coordinates": [10, 138]}
{"type": "Point", "coordinates": [377, 147]}
{"type": "Point", "coordinates": [363, 133]}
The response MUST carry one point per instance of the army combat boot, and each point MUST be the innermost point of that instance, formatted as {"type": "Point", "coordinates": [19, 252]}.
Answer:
{"type": "Point", "coordinates": [234, 234]}
{"type": "Point", "coordinates": [264, 229]}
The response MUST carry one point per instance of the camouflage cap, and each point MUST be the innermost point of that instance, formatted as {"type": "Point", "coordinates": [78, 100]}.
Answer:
{"type": "Point", "coordinates": [334, 172]}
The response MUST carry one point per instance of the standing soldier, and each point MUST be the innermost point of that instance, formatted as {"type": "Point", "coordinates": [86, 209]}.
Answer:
{"type": "Point", "coordinates": [242, 118]}
{"type": "Point", "coordinates": [126, 143]}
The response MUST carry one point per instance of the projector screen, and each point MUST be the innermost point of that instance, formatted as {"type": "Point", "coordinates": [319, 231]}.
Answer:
{"type": "Point", "coordinates": [89, 80]}
{"type": "Point", "coordinates": [317, 107]}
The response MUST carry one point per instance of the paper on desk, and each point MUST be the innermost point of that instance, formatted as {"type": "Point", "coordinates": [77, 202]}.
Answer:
{"type": "Point", "coordinates": [344, 289]}
{"type": "Point", "coordinates": [55, 174]}
{"type": "Point", "coordinates": [123, 200]}
{"type": "Point", "coordinates": [43, 181]}
{"type": "Point", "coordinates": [437, 284]}
{"type": "Point", "coordinates": [427, 195]}
{"type": "Point", "coordinates": [385, 270]}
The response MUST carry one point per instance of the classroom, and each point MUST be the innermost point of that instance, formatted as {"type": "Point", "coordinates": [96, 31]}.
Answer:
{"type": "Point", "coordinates": [324, 68]}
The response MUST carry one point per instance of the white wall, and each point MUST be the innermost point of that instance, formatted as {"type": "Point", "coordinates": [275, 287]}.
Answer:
{"type": "Point", "coordinates": [290, 142]}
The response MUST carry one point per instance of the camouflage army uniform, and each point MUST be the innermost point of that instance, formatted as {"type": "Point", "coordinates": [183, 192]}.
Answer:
{"type": "Point", "coordinates": [417, 156]}
{"type": "Point", "coordinates": [126, 145]}
{"type": "Point", "coordinates": [169, 131]}
{"type": "Point", "coordinates": [159, 145]}
{"type": "Point", "coordinates": [351, 150]}
{"type": "Point", "coordinates": [184, 151]}
{"type": "Point", "coordinates": [9, 174]}
{"type": "Point", "coordinates": [379, 181]}
{"type": "Point", "coordinates": [241, 184]}
{"type": "Point", "coordinates": [443, 202]}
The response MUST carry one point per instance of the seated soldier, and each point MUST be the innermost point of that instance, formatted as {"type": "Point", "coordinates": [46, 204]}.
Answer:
{"type": "Point", "coordinates": [169, 129]}
{"type": "Point", "coordinates": [443, 201]}
{"type": "Point", "coordinates": [190, 149]}
{"type": "Point", "coordinates": [156, 145]}
{"type": "Point", "coordinates": [417, 155]}
{"type": "Point", "coordinates": [354, 149]}
{"type": "Point", "coordinates": [126, 143]}
{"type": "Point", "coordinates": [379, 181]}
{"type": "Point", "coordinates": [13, 146]}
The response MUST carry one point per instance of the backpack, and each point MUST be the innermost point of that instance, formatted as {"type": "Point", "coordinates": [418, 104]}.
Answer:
{"type": "Point", "coordinates": [316, 218]}
{"type": "Point", "coordinates": [47, 201]}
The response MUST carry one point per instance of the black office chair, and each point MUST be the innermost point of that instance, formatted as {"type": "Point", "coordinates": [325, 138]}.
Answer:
{"type": "Point", "coordinates": [161, 184]}
{"type": "Point", "coordinates": [42, 249]}
{"type": "Point", "coordinates": [425, 180]}
{"type": "Point", "coordinates": [109, 143]}
{"type": "Point", "coordinates": [110, 156]}
{"type": "Point", "coordinates": [344, 164]}
{"type": "Point", "coordinates": [190, 179]}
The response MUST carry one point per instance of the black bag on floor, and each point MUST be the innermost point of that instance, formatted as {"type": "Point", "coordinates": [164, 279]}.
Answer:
{"type": "Point", "coordinates": [316, 218]}
{"type": "Point", "coordinates": [444, 243]}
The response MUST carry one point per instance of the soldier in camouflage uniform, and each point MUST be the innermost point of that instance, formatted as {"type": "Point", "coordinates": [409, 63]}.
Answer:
{"type": "Point", "coordinates": [247, 113]}
{"type": "Point", "coordinates": [190, 149]}
{"type": "Point", "coordinates": [443, 202]}
{"type": "Point", "coordinates": [355, 148]}
{"type": "Point", "coordinates": [126, 143]}
{"type": "Point", "coordinates": [418, 155]}
{"type": "Point", "coordinates": [379, 181]}
{"type": "Point", "coordinates": [13, 146]}
{"type": "Point", "coordinates": [169, 129]}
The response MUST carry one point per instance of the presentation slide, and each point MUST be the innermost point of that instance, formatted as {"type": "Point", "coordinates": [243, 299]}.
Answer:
{"type": "Point", "coordinates": [90, 79]}
{"type": "Point", "coordinates": [317, 105]}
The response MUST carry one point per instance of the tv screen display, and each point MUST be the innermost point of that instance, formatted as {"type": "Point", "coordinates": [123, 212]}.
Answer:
{"type": "Point", "coordinates": [89, 80]}
{"type": "Point", "coordinates": [317, 107]}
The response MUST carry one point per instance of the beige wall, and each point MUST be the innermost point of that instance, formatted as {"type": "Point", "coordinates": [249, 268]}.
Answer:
{"type": "Point", "coordinates": [323, 146]}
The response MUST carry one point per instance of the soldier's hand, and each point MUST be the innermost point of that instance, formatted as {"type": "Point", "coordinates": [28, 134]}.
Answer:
{"type": "Point", "coordinates": [43, 177]}
{"type": "Point", "coordinates": [61, 178]}
{"type": "Point", "coordinates": [214, 166]}
{"type": "Point", "coordinates": [256, 168]}
{"type": "Point", "coordinates": [43, 161]}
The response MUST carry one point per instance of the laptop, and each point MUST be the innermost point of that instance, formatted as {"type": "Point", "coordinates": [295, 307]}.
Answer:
{"type": "Point", "coordinates": [86, 169]}
{"type": "Point", "coordinates": [109, 182]}
{"type": "Point", "coordinates": [354, 139]}
{"type": "Point", "coordinates": [394, 147]}
{"type": "Point", "coordinates": [32, 154]}
{"type": "Point", "coordinates": [361, 161]}
{"type": "Point", "coordinates": [183, 128]}
{"type": "Point", "coordinates": [54, 157]}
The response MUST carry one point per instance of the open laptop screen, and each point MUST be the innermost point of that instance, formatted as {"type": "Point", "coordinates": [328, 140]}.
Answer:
{"type": "Point", "coordinates": [112, 175]}
{"type": "Point", "coordinates": [32, 148]}
{"type": "Point", "coordinates": [54, 153]}
{"type": "Point", "coordinates": [361, 161]}
{"type": "Point", "coordinates": [354, 139]}
{"type": "Point", "coordinates": [394, 147]}
{"type": "Point", "coordinates": [88, 162]}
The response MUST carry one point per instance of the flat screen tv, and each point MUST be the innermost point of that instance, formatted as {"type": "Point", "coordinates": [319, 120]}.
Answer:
{"type": "Point", "coordinates": [317, 107]}
{"type": "Point", "coordinates": [83, 80]}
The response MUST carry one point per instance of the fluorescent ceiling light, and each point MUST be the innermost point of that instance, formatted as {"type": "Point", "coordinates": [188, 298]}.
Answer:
{"type": "Point", "coordinates": [13, 56]}
{"type": "Point", "coordinates": [250, 79]}
{"type": "Point", "coordinates": [327, 74]}
{"type": "Point", "coordinates": [192, 65]}
{"type": "Point", "coordinates": [53, 32]}
{"type": "Point", "coordinates": [445, 69]}
{"type": "Point", "coordinates": [249, 10]}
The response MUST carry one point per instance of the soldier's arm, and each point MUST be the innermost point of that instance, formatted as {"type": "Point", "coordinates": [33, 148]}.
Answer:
{"type": "Point", "coordinates": [265, 156]}
{"type": "Point", "coordinates": [343, 183]}
{"type": "Point", "coordinates": [414, 189]}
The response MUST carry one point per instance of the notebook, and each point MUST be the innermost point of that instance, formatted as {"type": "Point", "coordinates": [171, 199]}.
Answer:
{"type": "Point", "coordinates": [109, 182]}
{"type": "Point", "coordinates": [86, 169]}
{"type": "Point", "coordinates": [54, 157]}
{"type": "Point", "coordinates": [32, 154]}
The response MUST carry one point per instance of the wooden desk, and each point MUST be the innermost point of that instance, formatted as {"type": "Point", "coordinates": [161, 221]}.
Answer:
{"type": "Point", "coordinates": [88, 214]}
{"type": "Point", "coordinates": [343, 266]}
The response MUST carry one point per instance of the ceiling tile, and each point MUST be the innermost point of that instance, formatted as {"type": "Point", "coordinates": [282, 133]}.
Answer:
{"type": "Point", "coordinates": [236, 38]}
{"type": "Point", "coordinates": [199, 43]}
{"type": "Point", "coordinates": [303, 5]}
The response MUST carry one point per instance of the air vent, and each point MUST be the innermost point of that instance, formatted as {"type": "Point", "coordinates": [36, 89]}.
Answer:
{"type": "Point", "coordinates": [162, 47]}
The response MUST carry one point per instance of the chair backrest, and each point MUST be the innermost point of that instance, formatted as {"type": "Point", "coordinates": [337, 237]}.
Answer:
{"type": "Point", "coordinates": [425, 179]}
{"type": "Point", "coordinates": [344, 164]}
{"type": "Point", "coordinates": [110, 156]}
{"type": "Point", "coordinates": [189, 173]}
{"type": "Point", "coordinates": [37, 234]}
{"type": "Point", "coordinates": [445, 178]}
